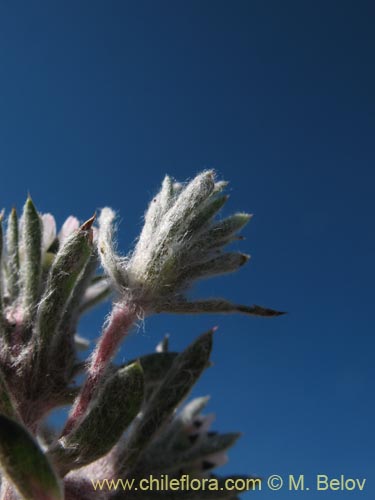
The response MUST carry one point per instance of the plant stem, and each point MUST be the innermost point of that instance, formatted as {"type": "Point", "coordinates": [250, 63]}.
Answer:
{"type": "Point", "coordinates": [120, 322]}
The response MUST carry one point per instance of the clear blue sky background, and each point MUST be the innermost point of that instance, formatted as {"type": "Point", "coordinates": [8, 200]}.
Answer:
{"type": "Point", "coordinates": [98, 100]}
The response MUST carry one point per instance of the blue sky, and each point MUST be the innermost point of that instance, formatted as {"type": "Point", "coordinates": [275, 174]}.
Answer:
{"type": "Point", "coordinates": [98, 100]}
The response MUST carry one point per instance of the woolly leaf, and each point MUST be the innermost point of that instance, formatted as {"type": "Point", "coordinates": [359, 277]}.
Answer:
{"type": "Point", "coordinates": [177, 188]}
{"type": "Point", "coordinates": [157, 209]}
{"type": "Point", "coordinates": [68, 264]}
{"type": "Point", "coordinates": [13, 261]}
{"type": "Point", "coordinates": [32, 264]}
{"type": "Point", "coordinates": [152, 251]}
{"type": "Point", "coordinates": [73, 309]}
{"type": "Point", "coordinates": [214, 306]}
{"type": "Point", "coordinates": [110, 261]}
{"type": "Point", "coordinates": [207, 211]}
{"type": "Point", "coordinates": [156, 365]}
{"type": "Point", "coordinates": [221, 232]}
{"type": "Point", "coordinates": [25, 464]}
{"type": "Point", "coordinates": [184, 372]}
{"type": "Point", "coordinates": [186, 205]}
{"type": "Point", "coordinates": [226, 263]}
{"type": "Point", "coordinates": [111, 412]}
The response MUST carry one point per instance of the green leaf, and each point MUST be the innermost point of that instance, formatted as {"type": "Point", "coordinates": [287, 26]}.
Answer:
{"type": "Point", "coordinates": [222, 231]}
{"type": "Point", "coordinates": [112, 411]}
{"type": "Point", "coordinates": [25, 464]}
{"type": "Point", "coordinates": [73, 310]}
{"type": "Point", "coordinates": [70, 260]}
{"type": "Point", "coordinates": [184, 372]}
{"type": "Point", "coordinates": [206, 212]}
{"type": "Point", "coordinates": [32, 264]}
{"type": "Point", "coordinates": [174, 223]}
{"type": "Point", "coordinates": [194, 194]}
{"type": "Point", "coordinates": [157, 209]}
{"type": "Point", "coordinates": [223, 264]}
{"type": "Point", "coordinates": [110, 260]}
{"type": "Point", "coordinates": [156, 365]}
{"type": "Point", "coordinates": [215, 306]}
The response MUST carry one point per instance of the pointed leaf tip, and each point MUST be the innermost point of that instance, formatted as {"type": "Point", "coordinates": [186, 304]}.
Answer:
{"type": "Point", "coordinates": [31, 241]}
{"type": "Point", "coordinates": [132, 368]}
{"type": "Point", "coordinates": [88, 224]}
{"type": "Point", "coordinates": [259, 311]}
{"type": "Point", "coordinates": [245, 258]}
{"type": "Point", "coordinates": [220, 186]}
{"type": "Point", "coordinates": [214, 306]}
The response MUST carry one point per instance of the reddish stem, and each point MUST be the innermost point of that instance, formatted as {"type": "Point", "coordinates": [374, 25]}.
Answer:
{"type": "Point", "coordinates": [120, 322]}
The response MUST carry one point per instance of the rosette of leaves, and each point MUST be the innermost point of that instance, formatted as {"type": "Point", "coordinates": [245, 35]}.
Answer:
{"type": "Point", "coordinates": [124, 421]}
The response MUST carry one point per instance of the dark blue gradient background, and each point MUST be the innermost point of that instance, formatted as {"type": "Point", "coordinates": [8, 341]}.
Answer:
{"type": "Point", "coordinates": [99, 99]}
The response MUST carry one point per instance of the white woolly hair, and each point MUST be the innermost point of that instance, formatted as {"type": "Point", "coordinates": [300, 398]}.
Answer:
{"type": "Point", "coordinates": [113, 264]}
{"type": "Point", "coordinates": [174, 248]}
{"type": "Point", "coordinates": [165, 233]}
